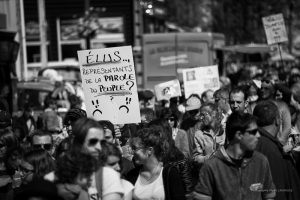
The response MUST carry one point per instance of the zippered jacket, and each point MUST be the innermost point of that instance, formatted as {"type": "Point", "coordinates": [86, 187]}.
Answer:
{"type": "Point", "coordinates": [223, 179]}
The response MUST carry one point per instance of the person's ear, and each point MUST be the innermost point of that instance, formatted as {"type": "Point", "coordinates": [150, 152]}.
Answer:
{"type": "Point", "coordinates": [246, 103]}
{"type": "Point", "coordinates": [277, 120]}
{"type": "Point", "coordinates": [149, 151]}
{"type": "Point", "coordinates": [238, 135]}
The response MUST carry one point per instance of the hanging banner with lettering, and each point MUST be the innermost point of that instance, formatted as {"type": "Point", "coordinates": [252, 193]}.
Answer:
{"type": "Point", "coordinates": [275, 29]}
{"type": "Point", "coordinates": [109, 84]}
{"type": "Point", "coordinates": [167, 90]}
{"type": "Point", "coordinates": [199, 79]}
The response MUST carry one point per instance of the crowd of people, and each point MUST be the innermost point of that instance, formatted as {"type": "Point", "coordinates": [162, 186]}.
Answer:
{"type": "Point", "coordinates": [239, 142]}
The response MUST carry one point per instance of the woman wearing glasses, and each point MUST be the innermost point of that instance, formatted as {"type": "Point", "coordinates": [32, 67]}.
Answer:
{"type": "Point", "coordinates": [152, 180]}
{"type": "Point", "coordinates": [106, 182]}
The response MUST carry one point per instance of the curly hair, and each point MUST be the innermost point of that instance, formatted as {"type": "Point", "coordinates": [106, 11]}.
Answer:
{"type": "Point", "coordinates": [71, 164]}
{"type": "Point", "coordinates": [154, 137]}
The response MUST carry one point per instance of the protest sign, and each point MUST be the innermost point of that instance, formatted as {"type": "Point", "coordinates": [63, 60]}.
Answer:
{"type": "Point", "coordinates": [199, 79]}
{"type": "Point", "coordinates": [109, 84]}
{"type": "Point", "coordinates": [167, 90]}
{"type": "Point", "coordinates": [275, 29]}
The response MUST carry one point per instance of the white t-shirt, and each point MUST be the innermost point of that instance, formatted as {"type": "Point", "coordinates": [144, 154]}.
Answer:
{"type": "Point", "coordinates": [153, 191]}
{"type": "Point", "coordinates": [111, 183]}
{"type": "Point", "coordinates": [128, 187]}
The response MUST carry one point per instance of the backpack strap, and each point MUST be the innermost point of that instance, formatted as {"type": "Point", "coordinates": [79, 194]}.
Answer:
{"type": "Point", "coordinates": [99, 180]}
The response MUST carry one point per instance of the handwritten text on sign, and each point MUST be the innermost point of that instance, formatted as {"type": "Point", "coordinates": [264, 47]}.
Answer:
{"type": "Point", "coordinates": [275, 29]}
{"type": "Point", "coordinates": [108, 79]}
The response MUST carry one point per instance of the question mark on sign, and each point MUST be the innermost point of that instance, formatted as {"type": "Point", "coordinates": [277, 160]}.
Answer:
{"type": "Point", "coordinates": [111, 97]}
{"type": "Point", "coordinates": [130, 83]}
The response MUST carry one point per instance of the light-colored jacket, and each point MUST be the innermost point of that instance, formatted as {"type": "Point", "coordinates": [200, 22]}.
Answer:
{"type": "Point", "coordinates": [206, 142]}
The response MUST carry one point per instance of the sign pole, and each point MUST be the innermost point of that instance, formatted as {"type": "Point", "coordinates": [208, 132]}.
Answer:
{"type": "Point", "coordinates": [280, 55]}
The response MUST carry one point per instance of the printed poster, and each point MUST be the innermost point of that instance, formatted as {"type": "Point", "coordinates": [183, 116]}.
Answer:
{"type": "Point", "coordinates": [109, 84]}
{"type": "Point", "coordinates": [167, 90]}
{"type": "Point", "coordinates": [199, 79]}
{"type": "Point", "coordinates": [275, 29]}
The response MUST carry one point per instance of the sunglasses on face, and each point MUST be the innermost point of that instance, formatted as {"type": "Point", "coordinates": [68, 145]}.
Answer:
{"type": "Point", "coordinates": [47, 147]}
{"type": "Point", "coordinates": [135, 149]}
{"type": "Point", "coordinates": [172, 119]}
{"type": "Point", "coordinates": [203, 114]}
{"type": "Point", "coordinates": [95, 141]}
{"type": "Point", "coordinates": [252, 132]}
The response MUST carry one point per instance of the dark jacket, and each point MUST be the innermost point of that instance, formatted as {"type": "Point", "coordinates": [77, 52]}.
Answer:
{"type": "Point", "coordinates": [173, 185]}
{"type": "Point", "coordinates": [223, 179]}
{"type": "Point", "coordinates": [284, 174]}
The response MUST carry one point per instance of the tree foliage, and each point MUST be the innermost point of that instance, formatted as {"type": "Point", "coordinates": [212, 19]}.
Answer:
{"type": "Point", "coordinates": [240, 21]}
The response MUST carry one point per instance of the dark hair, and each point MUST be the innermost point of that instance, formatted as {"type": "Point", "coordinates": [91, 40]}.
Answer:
{"type": "Point", "coordinates": [49, 101]}
{"type": "Point", "coordinates": [164, 124]}
{"type": "Point", "coordinates": [41, 161]}
{"type": "Point", "coordinates": [238, 121]}
{"type": "Point", "coordinates": [63, 147]}
{"type": "Point", "coordinates": [8, 138]}
{"type": "Point", "coordinates": [154, 137]}
{"type": "Point", "coordinates": [266, 113]}
{"type": "Point", "coordinates": [73, 163]}
{"type": "Point", "coordinates": [75, 101]}
{"type": "Point", "coordinates": [73, 115]}
{"type": "Point", "coordinates": [80, 131]}
{"type": "Point", "coordinates": [149, 114]}
{"type": "Point", "coordinates": [223, 92]}
{"type": "Point", "coordinates": [293, 79]}
{"type": "Point", "coordinates": [109, 149]}
{"type": "Point", "coordinates": [108, 125]}
{"type": "Point", "coordinates": [239, 89]}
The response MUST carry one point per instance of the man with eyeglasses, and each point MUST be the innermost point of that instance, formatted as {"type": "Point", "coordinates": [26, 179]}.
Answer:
{"type": "Point", "coordinates": [211, 136]}
{"type": "Point", "coordinates": [237, 171]}
{"type": "Point", "coordinates": [284, 173]}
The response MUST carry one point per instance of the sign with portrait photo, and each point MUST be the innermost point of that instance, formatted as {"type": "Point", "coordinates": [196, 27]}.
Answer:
{"type": "Point", "coordinates": [109, 84]}
{"type": "Point", "coordinates": [167, 90]}
{"type": "Point", "coordinates": [199, 79]}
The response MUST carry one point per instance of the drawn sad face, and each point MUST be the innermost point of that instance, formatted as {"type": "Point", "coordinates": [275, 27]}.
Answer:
{"type": "Point", "coordinates": [97, 111]}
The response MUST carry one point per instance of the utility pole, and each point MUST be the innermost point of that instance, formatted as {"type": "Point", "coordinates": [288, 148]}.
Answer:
{"type": "Point", "coordinates": [290, 24]}
{"type": "Point", "coordinates": [43, 32]}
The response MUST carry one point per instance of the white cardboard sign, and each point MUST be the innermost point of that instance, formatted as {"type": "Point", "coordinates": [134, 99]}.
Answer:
{"type": "Point", "coordinates": [109, 84]}
{"type": "Point", "coordinates": [199, 79]}
{"type": "Point", "coordinates": [275, 29]}
{"type": "Point", "coordinates": [167, 90]}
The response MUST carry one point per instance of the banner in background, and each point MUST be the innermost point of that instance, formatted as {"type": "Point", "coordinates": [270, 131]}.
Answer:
{"type": "Point", "coordinates": [199, 79]}
{"type": "Point", "coordinates": [275, 29]}
{"type": "Point", "coordinates": [109, 84]}
{"type": "Point", "coordinates": [167, 90]}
